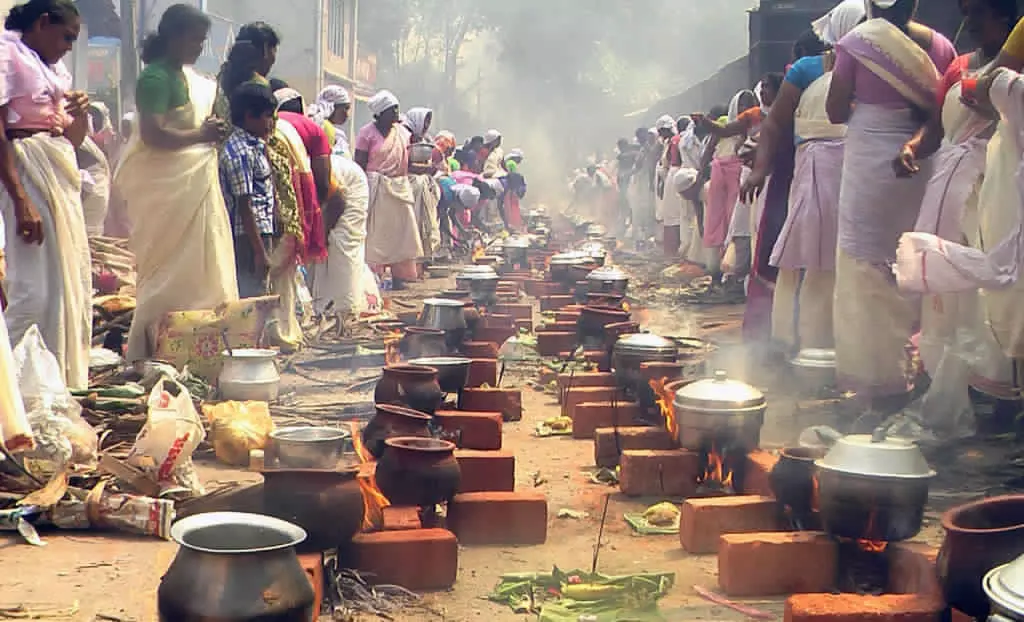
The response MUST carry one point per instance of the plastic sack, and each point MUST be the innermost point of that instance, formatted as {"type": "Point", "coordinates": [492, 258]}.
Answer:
{"type": "Point", "coordinates": [237, 428]}
{"type": "Point", "coordinates": [173, 430]}
{"type": "Point", "coordinates": [63, 438]}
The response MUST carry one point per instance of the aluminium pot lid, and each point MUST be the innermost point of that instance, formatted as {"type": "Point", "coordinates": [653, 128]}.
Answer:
{"type": "Point", "coordinates": [478, 273]}
{"type": "Point", "coordinates": [569, 259]}
{"type": "Point", "coordinates": [819, 358]}
{"type": "Point", "coordinates": [607, 273]}
{"type": "Point", "coordinates": [593, 249]}
{"type": "Point", "coordinates": [719, 393]}
{"type": "Point", "coordinates": [1004, 586]}
{"type": "Point", "coordinates": [644, 343]}
{"type": "Point", "coordinates": [443, 302]}
{"type": "Point", "coordinates": [876, 455]}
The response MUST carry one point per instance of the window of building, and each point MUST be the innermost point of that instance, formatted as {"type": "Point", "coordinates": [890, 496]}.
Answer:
{"type": "Point", "coordinates": [336, 26]}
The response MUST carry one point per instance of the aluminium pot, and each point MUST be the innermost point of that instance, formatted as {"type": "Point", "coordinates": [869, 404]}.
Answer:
{"type": "Point", "coordinates": [719, 411]}
{"type": "Point", "coordinates": [607, 280]}
{"type": "Point", "coordinates": [307, 447]}
{"type": "Point", "coordinates": [326, 503]}
{"type": "Point", "coordinates": [631, 351]}
{"type": "Point", "coordinates": [418, 342]}
{"type": "Point", "coordinates": [1004, 587]}
{"type": "Point", "coordinates": [515, 251]}
{"type": "Point", "coordinates": [452, 371]}
{"type": "Point", "coordinates": [873, 487]}
{"type": "Point", "coordinates": [413, 386]}
{"type": "Point", "coordinates": [560, 264]}
{"type": "Point", "coordinates": [390, 420]}
{"type": "Point", "coordinates": [249, 374]}
{"type": "Point", "coordinates": [815, 369]}
{"type": "Point", "coordinates": [418, 472]}
{"type": "Point", "coordinates": [447, 315]}
{"type": "Point", "coordinates": [596, 251]}
{"type": "Point", "coordinates": [235, 567]}
{"type": "Point", "coordinates": [482, 283]}
{"type": "Point", "coordinates": [979, 536]}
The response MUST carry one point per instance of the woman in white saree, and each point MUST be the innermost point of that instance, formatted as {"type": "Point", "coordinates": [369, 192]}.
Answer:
{"type": "Point", "coordinates": [168, 174]}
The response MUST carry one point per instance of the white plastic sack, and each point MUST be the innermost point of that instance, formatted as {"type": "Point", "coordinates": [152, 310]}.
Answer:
{"type": "Point", "coordinates": [173, 430]}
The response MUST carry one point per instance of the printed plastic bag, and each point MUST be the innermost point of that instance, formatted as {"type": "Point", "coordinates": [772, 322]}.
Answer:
{"type": "Point", "coordinates": [63, 438]}
{"type": "Point", "coordinates": [172, 432]}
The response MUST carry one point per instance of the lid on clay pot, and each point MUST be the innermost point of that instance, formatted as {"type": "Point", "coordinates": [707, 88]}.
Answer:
{"type": "Point", "coordinates": [644, 343]}
{"type": "Point", "coordinates": [517, 241]}
{"type": "Point", "coordinates": [818, 358]}
{"type": "Point", "coordinates": [570, 258]}
{"type": "Point", "coordinates": [876, 455]}
{"type": "Point", "coordinates": [1004, 585]}
{"type": "Point", "coordinates": [443, 302]}
{"type": "Point", "coordinates": [478, 273]}
{"type": "Point", "coordinates": [607, 273]}
{"type": "Point", "coordinates": [719, 394]}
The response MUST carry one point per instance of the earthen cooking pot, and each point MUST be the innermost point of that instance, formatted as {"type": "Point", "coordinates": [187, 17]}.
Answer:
{"type": "Point", "coordinates": [413, 386]}
{"type": "Point", "coordinates": [792, 481]}
{"type": "Point", "coordinates": [391, 420]}
{"type": "Point", "coordinates": [326, 503]}
{"type": "Point", "coordinates": [418, 471]}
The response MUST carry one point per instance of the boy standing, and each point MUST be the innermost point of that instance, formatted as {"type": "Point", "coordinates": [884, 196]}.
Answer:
{"type": "Point", "coordinates": [247, 183]}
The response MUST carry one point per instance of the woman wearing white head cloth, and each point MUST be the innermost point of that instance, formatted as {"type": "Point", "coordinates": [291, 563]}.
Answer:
{"type": "Point", "coordinates": [665, 129]}
{"type": "Point", "coordinates": [421, 176]}
{"type": "Point", "coordinates": [382, 150]}
{"type": "Point", "coordinates": [891, 66]}
{"type": "Point", "coordinates": [331, 111]}
{"type": "Point", "coordinates": [805, 251]}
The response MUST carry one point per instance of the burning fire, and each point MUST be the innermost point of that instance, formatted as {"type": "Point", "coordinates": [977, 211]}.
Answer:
{"type": "Point", "coordinates": [715, 472]}
{"type": "Point", "coordinates": [625, 306]}
{"type": "Point", "coordinates": [392, 356]}
{"type": "Point", "coordinates": [478, 252]}
{"type": "Point", "coordinates": [872, 546]}
{"type": "Point", "coordinates": [664, 400]}
{"type": "Point", "coordinates": [814, 492]}
{"type": "Point", "coordinates": [374, 500]}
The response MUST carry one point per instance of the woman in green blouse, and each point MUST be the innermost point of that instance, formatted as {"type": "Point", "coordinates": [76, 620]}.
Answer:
{"type": "Point", "coordinates": [169, 178]}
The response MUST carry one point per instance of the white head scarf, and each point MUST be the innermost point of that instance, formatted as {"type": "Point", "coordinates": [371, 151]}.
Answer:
{"type": "Point", "coordinates": [467, 195]}
{"type": "Point", "coordinates": [330, 97]}
{"type": "Point", "coordinates": [515, 154]}
{"type": "Point", "coordinates": [881, 4]}
{"type": "Point", "coordinates": [684, 179]}
{"type": "Point", "coordinates": [734, 104]}
{"type": "Point", "coordinates": [665, 122]}
{"type": "Point", "coordinates": [491, 136]}
{"type": "Point", "coordinates": [286, 95]}
{"type": "Point", "coordinates": [382, 101]}
{"type": "Point", "coordinates": [417, 120]}
{"type": "Point", "coordinates": [835, 24]}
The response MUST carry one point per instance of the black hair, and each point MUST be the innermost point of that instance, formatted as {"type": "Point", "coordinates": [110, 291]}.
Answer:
{"type": "Point", "coordinates": [683, 122]}
{"type": "Point", "coordinates": [898, 14]}
{"type": "Point", "coordinates": [292, 105]}
{"type": "Point", "coordinates": [96, 116]}
{"type": "Point", "coordinates": [244, 59]}
{"type": "Point", "coordinates": [1003, 9]}
{"type": "Point", "coordinates": [22, 17]}
{"type": "Point", "coordinates": [718, 111]}
{"type": "Point", "coordinates": [260, 34]}
{"type": "Point", "coordinates": [808, 44]}
{"type": "Point", "coordinates": [176, 21]}
{"type": "Point", "coordinates": [276, 84]}
{"type": "Point", "coordinates": [476, 141]}
{"type": "Point", "coordinates": [253, 100]}
{"type": "Point", "coordinates": [773, 79]}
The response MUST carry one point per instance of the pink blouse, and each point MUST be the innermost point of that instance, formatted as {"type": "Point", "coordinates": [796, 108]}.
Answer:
{"type": "Point", "coordinates": [32, 90]}
{"type": "Point", "coordinates": [389, 155]}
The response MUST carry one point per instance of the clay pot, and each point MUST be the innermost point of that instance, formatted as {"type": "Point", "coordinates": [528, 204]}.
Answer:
{"type": "Point", "coordinates": [979, 536]}
{"type": "Point", "coordinates": [418, 471]}
{"type": "Point", "coordinates": [390, 421]}
{"type": "Point", "coordinates": [592, 323]}
{"type": "Point", "coordinates": [326, 503]}
{"type": "Point", "coordinates": [420, 342]}
{"type": "Point", "coordinates": [413, 386]}
{"type": "Point", "coordinates": [472, 317]}
{"type": "Point", "coordinates": [792, 481]}
{"type": "Point", "coordinates": [613, 301]}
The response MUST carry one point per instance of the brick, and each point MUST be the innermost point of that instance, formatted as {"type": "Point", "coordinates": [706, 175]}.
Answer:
{"type": "Point", "coordinates": [481, 372]}
{"type": "Point", "coordinates": [773, 564]}
{"type": "Point", "coordinates": [497, 336]}
{"type": "Point", "coordinates": [551, 343]}
{"type": "Point", "coordinates": [509, 402]}
{"type": "Point", "coordinates": [578, 395]}
{"type": "Point", "coordinates": [703, 521]}
{"type": "Point", "coordinates": [587, 417]}
{"type": "Point", "coordinates": [499, 518]}
{"type": "Point", "coordinates": [524, 326]}
{"type": "Point", "coordinates": [480, 349]}
{"type": "Point", "coordinates": [755, 476]}
{"type": "Point", "coordinates": [418, 559]}
{"type": "Point", "coordinates": [960, 616]}
{"type": "Point", "coordinates": [610, 442]}
{"type": "Point", "coordinates": [313, 564]}
{"type": "Point", "coordinates": [583, 379]}
{"type": "Point", "coordinates": [494, 320]}
{"type": "Point", "coordinates": [567, 315]}
{"type": "Point", "coordinates": [552, 303]}
{"type": "Point", "coordinates": [517, 311]}
{"type": "Point", "coordinates": [557, 327]}
{"type": "Point", "coordinates": [912, 570]}
{"type": "Point", "coordinates": [658, 473]}
{"type": "Point", "coordinates": [855, 608]}
{"type": "Point", "coordinates": [401, 518]}
{"type": "Point", "coordinates": [486, 471]}
{"type": "Point", "coordinates": [600, 358]}
{"type": "Point", "coordinates": [541, 289]}
{"type": "Point", "coordinates": [471, 430]}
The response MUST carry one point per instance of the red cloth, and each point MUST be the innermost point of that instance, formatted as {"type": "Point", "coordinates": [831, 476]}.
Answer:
{"type": "Point", "coordinates": [314, 139]}
{"type": "Point", "coordinates": [953, 75]}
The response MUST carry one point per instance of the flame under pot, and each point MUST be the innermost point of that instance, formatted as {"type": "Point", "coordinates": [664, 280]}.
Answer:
{"type": "Point", "coordinates": [326, 503]}
{"type": "Point", "coordinates": [719, 412]}
{"type": "Point", "coordinates": [418, 471]}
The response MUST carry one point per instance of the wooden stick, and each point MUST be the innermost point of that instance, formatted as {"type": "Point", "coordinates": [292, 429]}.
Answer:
{"type": "Point", "coordinates": [600, 533]}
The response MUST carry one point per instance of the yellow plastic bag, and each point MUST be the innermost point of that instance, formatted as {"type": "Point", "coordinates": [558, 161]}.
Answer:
{"type": "Point", "coordinates": [237, 428]}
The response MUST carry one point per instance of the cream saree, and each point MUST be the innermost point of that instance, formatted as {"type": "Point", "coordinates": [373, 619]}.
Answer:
{"type": "Point", "coordinates": [181, 235]}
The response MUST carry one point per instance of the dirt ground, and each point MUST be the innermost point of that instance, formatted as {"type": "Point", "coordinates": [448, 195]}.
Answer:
{"type": "Point", "coordinates": [107, 577]}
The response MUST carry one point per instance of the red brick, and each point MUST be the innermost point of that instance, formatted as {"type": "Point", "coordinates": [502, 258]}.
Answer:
{"type": "Point", "coordinates": [703, 521]}
{"type": "Point", "coordinates": [499, 518]}
{"type": "Point", "coordinates": [960, 616]}
{"type": "Point", "coordinates": [313, 564]}
{"type": "Point", "coordinates": [481, 372]}
{"type": "Point", "coordinates": [551, 343]}
{"type": "Point", "coordinates": [552, 303]}
{"type": "Point", "coordinates": [912, 570]}
{"type": "Point", "coordinates": [524, 325]}
{"type": "Point", "coordinates": [418, 559]}
{"type": "Point", "coordinates": [587, 417]}
{"type": "Point", "coordinates": [517, 311]}
{"type": "Point", "coordinates": [557, 327]}
{"type": "Point", "coordinates": [773, 564]}
{"type": "Point", "coordinates": [658, 473]}
{"type": "Point", "coordinates": [486, 471]}
{"type": "Point", "coordinates": [567, 315]}
{"type": "Point", "coordinates": [497, 336]}
{"type": "Point", "coordinates": [496, 320]}
{"type": "Point", "coordinates": [601, 358]}
{"type": "Point", "coordinates": [855, 608]}
{"type": "Point", "coordinates": [509, 402]}
{"type": "Point", "coordinates": [401, 518]}
{"type": "Point", "coordinates": [480, 349]}
{"type": "Point", "coordinates": [578, 395]}
{"type": "Point", "coordinates": [755, 478]}
{"type": "Point", "coordinates": [582, 379]}
{"type": "Point", "coordinates": [474, 430]}
{"type": "Point", "coordinates": [610, 442]}
{"type": "Point", "coordinates": [540, 289]}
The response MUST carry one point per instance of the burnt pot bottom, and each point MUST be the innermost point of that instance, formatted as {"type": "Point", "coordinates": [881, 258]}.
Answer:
{"type": "Point", "coordinates": [863, 507]}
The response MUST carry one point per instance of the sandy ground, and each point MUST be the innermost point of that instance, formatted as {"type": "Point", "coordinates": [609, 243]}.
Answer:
{"type": "Point", "coordinates": [107, 577]}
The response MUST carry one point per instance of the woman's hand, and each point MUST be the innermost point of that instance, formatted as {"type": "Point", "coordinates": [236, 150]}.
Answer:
{"type": "Point", "coordinates": [76, 103]}
{"type": "Point", "coordinates": [30, 225]}
{"type": "Point", "coordinates": [905, 163]}
{"type": "Point", "coordinates": [753, 187]}
{"type": "Point", "coordinates": [214, 130]}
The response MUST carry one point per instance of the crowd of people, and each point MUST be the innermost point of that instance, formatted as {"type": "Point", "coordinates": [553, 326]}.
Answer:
{"type": "Point", "coordinates": [229, 187]}
{"type": "Point", "coordinates": [866, 200]}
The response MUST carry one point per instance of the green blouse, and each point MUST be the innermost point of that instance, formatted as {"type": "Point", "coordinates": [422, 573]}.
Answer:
{"type": "Point", "coordinates": [160, 89]}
